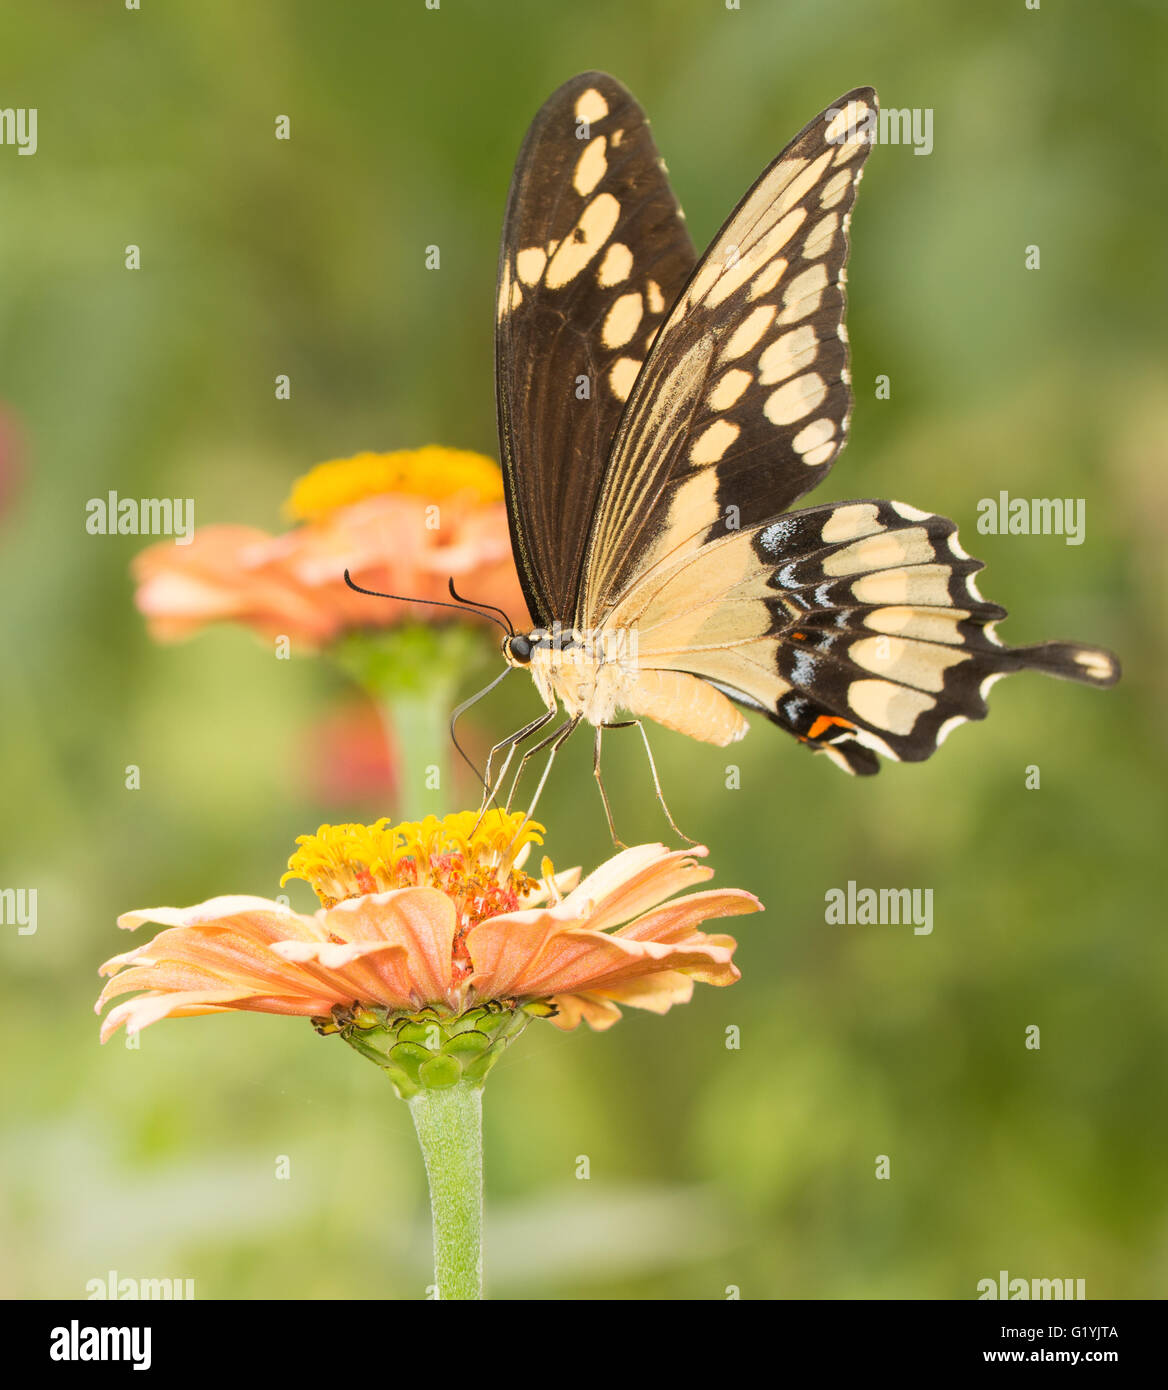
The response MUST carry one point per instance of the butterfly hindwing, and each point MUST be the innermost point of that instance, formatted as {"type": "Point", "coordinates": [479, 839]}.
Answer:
{"type": "Point", "coordinates": [744, 400]}
{"type": "Point", "coordinates": [857, 626]}
{"type": "Point", "coordinates": [594, 252]}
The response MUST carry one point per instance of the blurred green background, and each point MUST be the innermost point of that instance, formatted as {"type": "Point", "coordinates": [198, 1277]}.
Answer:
{"type": "Point", "coordinates": [709, 1167]}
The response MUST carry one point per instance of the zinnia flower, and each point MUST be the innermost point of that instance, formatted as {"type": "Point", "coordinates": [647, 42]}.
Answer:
{"type": "Point", "coordinates": [432, 932]}
{"type": "Point", "coordinates": [402, 522]}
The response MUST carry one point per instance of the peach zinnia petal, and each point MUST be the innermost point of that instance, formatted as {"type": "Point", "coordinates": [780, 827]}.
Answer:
{"type": "Point", "coordinates": [657, 993]}
{"type": "Point", "coordinates": [221, 576]}
{"type": "Point", "coordinates": [634, 880]}
{"type": "Point", "coordinates": [406, 937]}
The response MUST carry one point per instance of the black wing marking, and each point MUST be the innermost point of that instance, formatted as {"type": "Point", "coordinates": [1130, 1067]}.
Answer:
{"type": "Point", "coordinates": [594, 253]}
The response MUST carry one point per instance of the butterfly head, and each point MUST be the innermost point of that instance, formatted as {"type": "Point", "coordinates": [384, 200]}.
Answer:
{"type": "Point", "coordinates": [518, 649]}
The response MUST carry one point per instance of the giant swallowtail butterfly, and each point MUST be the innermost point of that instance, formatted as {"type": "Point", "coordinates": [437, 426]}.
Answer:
{"type": "Point", "coordinates": [658, 416]}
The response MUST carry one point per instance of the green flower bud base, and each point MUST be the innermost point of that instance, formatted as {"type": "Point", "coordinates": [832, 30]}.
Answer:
{"type": "Point", "coordinates": [428, 1050]}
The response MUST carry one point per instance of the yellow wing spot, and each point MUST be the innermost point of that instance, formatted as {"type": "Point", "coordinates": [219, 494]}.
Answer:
{"type": "Point", "coordinates": [591, 167]}
{"type": "Point", "coordinates": [814, 435]}
{"type": "Point", "coordinates": [591, 232]}
{"type": "Point", "coordinates": [926, 586]}
{"type": "Point", "coordinates": [1097, 664]}
{"type": "Point", "coordinates": [847, 119]}
{"type": "Point", "coordinates": [926, 624]}
{"type": "Point", "coordinates": [730, 386]}
{"type": "Point", "coordinates": [749, 332]}
{"type": "Point", "coordinates": [733, 276]}
{"type": "Point", "coordinates": [886, 550]}
{"type": "Point", "coordinates": [782, 232]}
{"type": "Point", "coordinates": [530, 263]}
{"type": "Point", "coordinates": [795, 399]}
{"type": "Point", "coordinates": [814, 457]}
{"type": "Point", "coordinates": [851, 147]}
{"type": "Point", "coordinates": [768, 278]}
{"type": "Point", "coordinates": [888, 706]}
{"type": "Point", "coordinates": [591, 106]}
{"type": "Point", "coordinates": [835, 188]}
{"type": "Point", "coordinates": [622, 320]}
{"type": "Point", "coordinates": [654, 297]}
{"type": "Point", "coordinates": [919, 664]}
{"type": "Point", "coordinates": [803, 182]}
{"type": "Point", "coordinates": [736, 272]}
{"type": "Point", "coordinates": [615, 267]}
{"type": "Point", "coordinates": [821, 236]}
{"type": "Point", "coordinates": [804, 294]}
{"type": "Point", "coordinates": [850, 523]}
{"type": "Point", "coordinates": [617, 137]}
{"type": "Point", "coordinates": [787, 355]}
{"type": "Point", "coordinates": [621, 376]}
{"type": "Point", "coordinates": [705, 279]}
{"type": "Point", "coordinates": [786, 173]}
{"type": "Point", "coordinates": [713, 442]}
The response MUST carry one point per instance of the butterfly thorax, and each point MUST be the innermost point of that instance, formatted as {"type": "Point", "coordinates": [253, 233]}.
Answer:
{"type": "Point", "coordinates": [591, 674]}
{"type": "Point", "coordinates": [596, 675]}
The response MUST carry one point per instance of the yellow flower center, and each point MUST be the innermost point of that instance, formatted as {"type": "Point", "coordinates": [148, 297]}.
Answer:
{"type": "Point", "coordinates": [433, 472]}
{"type": "Point", "coordinates": [469, 858]}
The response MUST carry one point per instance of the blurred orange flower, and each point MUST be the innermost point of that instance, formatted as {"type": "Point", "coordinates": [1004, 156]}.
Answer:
{"type": "Point", "coordinates": [437, 914]}
{"type": "Point", "coordinates": [402, 522]}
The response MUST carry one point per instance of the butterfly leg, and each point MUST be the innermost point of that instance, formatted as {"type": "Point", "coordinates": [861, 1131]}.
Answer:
{"type": "Point", "coordinates": [564, 730]}
{"type": "Point", "coordinates": [511, 742]}
{"type": "Point", "coordinates": [554, 739]}
{"type": "Point", "coordinates": [656, 780]}
{"type": "Point", "coordinates": [616, 839]}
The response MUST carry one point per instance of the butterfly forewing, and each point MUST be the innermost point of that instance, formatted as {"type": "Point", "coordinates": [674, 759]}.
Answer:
{"type": "Point", "coordinates": [594, 253]}
{"type": "Point", "coordinates": [744, 401]}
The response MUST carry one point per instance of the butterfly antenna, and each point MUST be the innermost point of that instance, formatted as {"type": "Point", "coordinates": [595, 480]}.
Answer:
{"type": "Point", "coordinates": [433, 603]}
{"type": "Point", "coordinates": [474, 603]}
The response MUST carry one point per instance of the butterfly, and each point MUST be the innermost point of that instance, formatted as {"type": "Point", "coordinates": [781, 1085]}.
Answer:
{"type": "Point", "coordinates": [658, 417]}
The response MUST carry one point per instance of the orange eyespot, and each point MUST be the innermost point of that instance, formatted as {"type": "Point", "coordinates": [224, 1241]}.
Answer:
{"type": "Point", "coordinates": [824, 722]}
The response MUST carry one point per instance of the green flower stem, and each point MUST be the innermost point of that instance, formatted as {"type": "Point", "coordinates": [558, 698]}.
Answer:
{"type": "Point", "coordinates": [417, 730]}
{"type": "Point", "coordinates": [412, 673]}
{"type": "Point", "coordinates": [450, 1130]}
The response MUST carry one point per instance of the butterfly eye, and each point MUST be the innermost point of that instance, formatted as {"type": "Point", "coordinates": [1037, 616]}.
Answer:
{"type": "Point", "coordinates": [519, 649]}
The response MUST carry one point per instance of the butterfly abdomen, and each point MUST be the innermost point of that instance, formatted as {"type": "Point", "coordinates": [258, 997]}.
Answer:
{"type": "Point", "coordinates": [686, 705]}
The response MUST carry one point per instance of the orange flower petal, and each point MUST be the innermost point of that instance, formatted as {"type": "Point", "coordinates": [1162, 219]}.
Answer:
{"type": "Point", "coordinates": [293, 584]}
{"type": "Point", "coordinates": [598, 1013]}
{"type": "Point", "coordinates": [146, 1009]}
{"type": "Point", "coordinates": [633, 881]}
{"type": "Point", "coordinates": [258, 917]}
{"type": "Point", "coordinates": [421, 921]}
{"type": "Point", "coordinates": [533, 954]}
{"type": "Point", "coordinates": [657, 993]}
